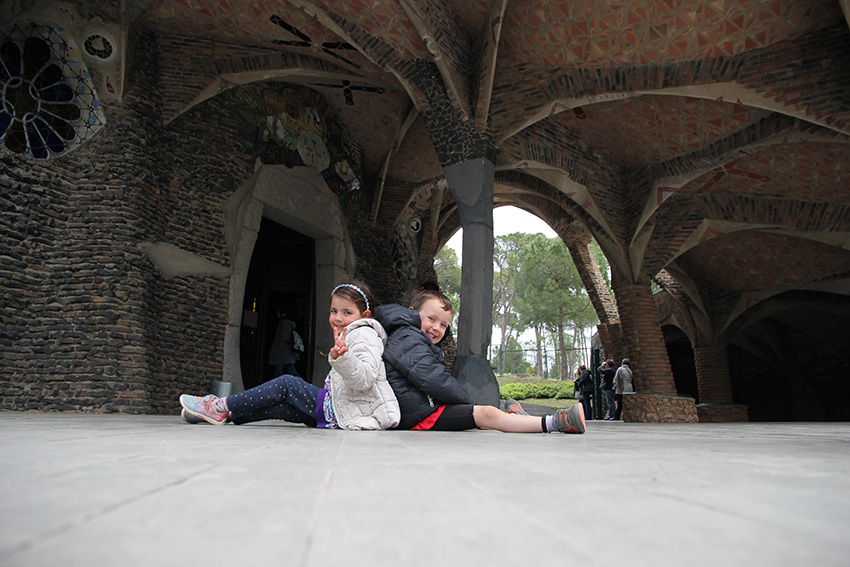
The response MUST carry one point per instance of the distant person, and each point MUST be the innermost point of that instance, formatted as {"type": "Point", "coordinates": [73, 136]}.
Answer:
{"type": "Point", "coordinates": [355, 395]}
{"type": "Point", "coordinates": [432, 399]}
{"type": "Point", "coordinates": [623, 384]}
{"type": "Point", "coordinates": [607, 372]}
{"type": "Point", "coordinates": [282, 356]}
{"type": "Point", "coordinates": [584, 385]}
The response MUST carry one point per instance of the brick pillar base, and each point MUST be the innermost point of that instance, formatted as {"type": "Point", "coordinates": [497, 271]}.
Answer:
{"type": "Point", "coordinates": [655, 408]}
{"type": "Point", "coordinates": [722, 413]}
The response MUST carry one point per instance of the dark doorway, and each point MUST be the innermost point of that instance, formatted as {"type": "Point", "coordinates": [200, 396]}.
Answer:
{"type": "Point", "coordinates": [682, 362]}
{"type": "Point", "coordinates": [281, 277]}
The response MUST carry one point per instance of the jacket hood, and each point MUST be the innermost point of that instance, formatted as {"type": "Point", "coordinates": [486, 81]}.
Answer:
{"type": "Point", "coordinates": [394, 315]}
{"type": "Point", "coordinates": [368, 322]}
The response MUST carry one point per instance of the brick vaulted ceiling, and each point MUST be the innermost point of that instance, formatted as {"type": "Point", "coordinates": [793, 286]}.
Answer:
{"type": "Point", "coordinates": [705, 137]}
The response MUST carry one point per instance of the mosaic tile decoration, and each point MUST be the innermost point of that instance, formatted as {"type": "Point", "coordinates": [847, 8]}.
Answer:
{"type": "Point", "coordinates": [645, 129]}
{"type": "Point", "coordinates": [769, 260]}
{"type": "Point", "coordinates": [593, 33]}
{"type": "Point", "coordinates": [295, 126]}
{"type": "Point", "coordinates": [49, 104]}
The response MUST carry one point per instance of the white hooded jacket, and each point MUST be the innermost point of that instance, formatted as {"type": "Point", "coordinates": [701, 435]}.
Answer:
{"type": "Point", "coordinates": [361, 396]}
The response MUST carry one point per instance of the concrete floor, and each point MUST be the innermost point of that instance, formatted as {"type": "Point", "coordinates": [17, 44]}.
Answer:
{"type": "Point", "coordinates": [152, 490]}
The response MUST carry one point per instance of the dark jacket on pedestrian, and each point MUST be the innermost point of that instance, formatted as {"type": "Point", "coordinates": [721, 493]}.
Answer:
{"type": "Point", "coordinates": [584, 384]}
{"type": "Point", "coordinates": [607, 374]}
{"type": "Point", "coordinates": [416, 368]}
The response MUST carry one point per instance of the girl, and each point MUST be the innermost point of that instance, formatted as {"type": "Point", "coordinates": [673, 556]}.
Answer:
{"type": "Point", "coordinates": [356, 394]}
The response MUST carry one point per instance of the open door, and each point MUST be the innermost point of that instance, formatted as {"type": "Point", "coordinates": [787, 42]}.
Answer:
{"type": "Point", "coordinates": [281, 277]}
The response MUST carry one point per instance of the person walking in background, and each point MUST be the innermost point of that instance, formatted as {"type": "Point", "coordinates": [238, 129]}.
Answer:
{"type": "Point", "coordinates": [584, 385]}
{"type": "Point", "coordinates": [281, 355]}
{"type": "Point", "coordinates": [606, 371]}
{"type": "Point", "coordinates": [623, 383]}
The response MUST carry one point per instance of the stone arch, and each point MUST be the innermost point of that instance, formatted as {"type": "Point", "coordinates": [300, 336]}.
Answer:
{"type": "Point", "coordinates": [299, 199]}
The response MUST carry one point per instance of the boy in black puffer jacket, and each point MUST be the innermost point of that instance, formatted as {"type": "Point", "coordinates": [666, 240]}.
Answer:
{"type": "Point", "coordinates": [430, 397]}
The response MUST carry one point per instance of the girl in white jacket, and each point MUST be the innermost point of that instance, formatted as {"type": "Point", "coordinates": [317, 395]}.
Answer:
{"type": "Point", "coordinates": [356, 394]}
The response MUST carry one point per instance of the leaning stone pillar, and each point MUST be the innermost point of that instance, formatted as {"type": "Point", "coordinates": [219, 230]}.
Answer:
{"type": "Point", "coordinates": [656, 399]}
{"type": "Point", "coordinates": [715, 386]}
{"type": "Point", "coordinates": [472, 183]}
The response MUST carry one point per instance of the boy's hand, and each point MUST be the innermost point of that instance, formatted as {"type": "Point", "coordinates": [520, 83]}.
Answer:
{"type": "Point", "coordinates": [340, 347]}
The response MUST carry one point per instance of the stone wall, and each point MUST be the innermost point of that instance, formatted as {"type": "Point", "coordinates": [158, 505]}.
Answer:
{"type": "Point", "coordinates": [89, 324]}
{"type": "Point", "coordinates": [87, 321]}
{"type": "Point", "coordinates": [655, 408]}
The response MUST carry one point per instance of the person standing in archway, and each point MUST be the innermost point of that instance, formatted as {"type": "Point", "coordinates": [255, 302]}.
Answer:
{"type": "Point", "coordinates": [606, 371]}
{"type": "Point", "coordinates": [623, 384]}
{"type": "Point", "coordinates": [281, 355]}
{"type": "Point", "coordinates": [584, 384]}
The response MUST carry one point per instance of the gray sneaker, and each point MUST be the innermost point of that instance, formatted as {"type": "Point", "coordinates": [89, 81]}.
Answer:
{"type": "Point", "coordinates": [570, 420]}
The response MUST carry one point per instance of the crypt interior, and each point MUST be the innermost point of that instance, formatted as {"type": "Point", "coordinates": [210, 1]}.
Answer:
{"type": "Point", "coordinates": [173, 170]}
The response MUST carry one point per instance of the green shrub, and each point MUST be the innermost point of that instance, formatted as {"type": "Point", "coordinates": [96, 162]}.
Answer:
{"type": "Point", "coordinates": [537, 389]}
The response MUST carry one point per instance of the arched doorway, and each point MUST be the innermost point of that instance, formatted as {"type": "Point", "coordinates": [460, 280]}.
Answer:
{"type": "Point", "coordinates": [682, 361]}
{"type": "Point", "coordinates": [280, 282]}
{"type": "Point", "coordinates": [300, 203]}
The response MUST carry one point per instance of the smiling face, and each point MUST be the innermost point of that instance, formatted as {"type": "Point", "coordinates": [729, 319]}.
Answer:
{"type": "Point", "coordinates": [343, 312]}
{"type": "Point", "coordinates": [435, 319]}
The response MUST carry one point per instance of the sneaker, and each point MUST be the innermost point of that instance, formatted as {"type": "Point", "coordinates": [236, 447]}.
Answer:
{"type": "Point", "coordinates": [512, 406]}
{"type": "Point", "coordinates": [189, 418]}
{"type": "Point", "coordinates": [570, 420]}
{"type": "Point", "coordinates": [204, 408]}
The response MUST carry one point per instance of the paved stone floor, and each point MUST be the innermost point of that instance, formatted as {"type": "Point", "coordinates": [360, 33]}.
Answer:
{"type": "Point", "coordinates": [151, 490]}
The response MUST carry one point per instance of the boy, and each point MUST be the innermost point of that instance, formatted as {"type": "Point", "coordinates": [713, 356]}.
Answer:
{"type": "Point", "coordinates": [430, 397]}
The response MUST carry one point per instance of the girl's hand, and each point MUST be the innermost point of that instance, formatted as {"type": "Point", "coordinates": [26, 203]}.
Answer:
{"type": "Point", "coordinates": [340, 347]}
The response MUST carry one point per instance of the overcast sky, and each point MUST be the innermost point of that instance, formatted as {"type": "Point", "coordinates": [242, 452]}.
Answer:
{"type": "Point", "coordinates": [505, 221]}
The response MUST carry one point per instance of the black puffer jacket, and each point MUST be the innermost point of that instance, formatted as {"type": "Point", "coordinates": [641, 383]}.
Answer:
{"type": "Point", "coordinates": [416, 368]}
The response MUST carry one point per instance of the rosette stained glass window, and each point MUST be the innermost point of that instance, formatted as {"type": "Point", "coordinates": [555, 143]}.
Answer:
{"type": "Point", "coordinates": [48, 106]}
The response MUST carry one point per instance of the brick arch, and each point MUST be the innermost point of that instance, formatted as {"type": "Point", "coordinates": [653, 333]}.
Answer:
{"type": "Point", "coordinates": [557, 209]}
{"type": "Point", "coordinates": [673, 312]}
{"type": "Point", "coordinates": [208, 75]}
{"type": "Point", "coordinates": [756, 307]}
{"type": "Point", "coordinates": [756, 79]}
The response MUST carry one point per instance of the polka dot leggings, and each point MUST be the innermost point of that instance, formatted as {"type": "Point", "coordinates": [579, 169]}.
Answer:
{"type": "Point", "coordinates": [286, 397]}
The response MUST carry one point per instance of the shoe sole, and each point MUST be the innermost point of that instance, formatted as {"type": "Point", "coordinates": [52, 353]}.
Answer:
{"type": "Point", "coordinates": [188, 417]}
{"type": "Point", "coordinates": [582, 427]}
{"type": "Point", "coordinates": [200, 415]}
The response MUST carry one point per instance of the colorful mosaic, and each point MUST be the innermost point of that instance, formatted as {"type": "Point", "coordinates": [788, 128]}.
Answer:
{"type": "Point", "coordinates": [294, 126]}
{"type": "Point", "coordinates": [49, 105]}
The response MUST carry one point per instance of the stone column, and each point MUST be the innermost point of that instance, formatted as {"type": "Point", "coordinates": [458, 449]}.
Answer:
{"type": "Point", "coordinates": [472, 183]}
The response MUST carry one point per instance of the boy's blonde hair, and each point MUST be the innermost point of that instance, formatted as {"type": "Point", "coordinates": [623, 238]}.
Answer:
{"type": "Point", "coordinates": [420, 297]}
